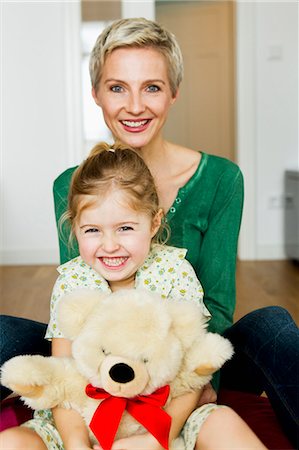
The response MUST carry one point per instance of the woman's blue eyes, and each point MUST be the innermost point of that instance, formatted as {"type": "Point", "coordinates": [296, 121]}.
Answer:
{"type": "Point", "coordinates": [151, 88]}
{"type": "Point", "coordinates": [116, 89]}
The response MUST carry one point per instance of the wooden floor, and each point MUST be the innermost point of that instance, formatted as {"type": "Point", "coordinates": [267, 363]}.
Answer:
{"type": "Point", "coordinates": [25, 290]}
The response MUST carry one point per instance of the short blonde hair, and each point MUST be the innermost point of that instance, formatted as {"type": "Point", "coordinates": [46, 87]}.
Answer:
{"type": "Point", "coordinates": [107, 168]}
{"type": "Point", "coordinates": [137, 32]}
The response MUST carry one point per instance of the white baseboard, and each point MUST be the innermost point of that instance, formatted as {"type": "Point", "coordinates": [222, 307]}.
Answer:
{"type": "Point", "coordinates": [268, 252]}
{"type": "Point", "coordinates": [29, 257]}
{"type": "Point", "coordinates": [263, 252]}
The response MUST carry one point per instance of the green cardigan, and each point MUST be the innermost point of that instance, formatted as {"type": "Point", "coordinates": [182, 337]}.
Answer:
{"type": "Point", "coordinates": [205, 219]}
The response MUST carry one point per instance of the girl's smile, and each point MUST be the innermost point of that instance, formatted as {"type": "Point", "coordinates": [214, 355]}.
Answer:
{"type": "Point", "coordinates": [113, 263]}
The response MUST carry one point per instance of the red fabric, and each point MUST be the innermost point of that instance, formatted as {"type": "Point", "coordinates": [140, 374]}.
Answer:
{"type": "Point", "coordinates": [255, 410]}
{"type": "Point", "coordinates": [146, 409]}
{"type": "Point", "coordinates": [13, 413]}
{"type": "Point", "coordinates": [258, 413]}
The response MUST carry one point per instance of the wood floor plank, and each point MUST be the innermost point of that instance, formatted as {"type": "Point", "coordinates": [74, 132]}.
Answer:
{"type": "Point", "coordinates": [266, 283]}
{"type": "Point", "coordinates": [26, 290]}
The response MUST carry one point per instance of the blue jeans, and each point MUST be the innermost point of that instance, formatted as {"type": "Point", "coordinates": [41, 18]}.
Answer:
{"type": "Point", "coordinates": [19, 337]}
{"type": "Point", "coordinates": [266, 343]}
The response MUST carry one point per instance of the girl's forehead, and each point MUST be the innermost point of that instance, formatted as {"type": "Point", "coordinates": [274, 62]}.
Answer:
{"type": "Point", "coordinates": [114, 200]}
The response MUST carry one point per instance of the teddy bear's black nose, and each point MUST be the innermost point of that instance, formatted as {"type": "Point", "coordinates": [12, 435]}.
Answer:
{"type": "Point", "coordinates": [121, 373]}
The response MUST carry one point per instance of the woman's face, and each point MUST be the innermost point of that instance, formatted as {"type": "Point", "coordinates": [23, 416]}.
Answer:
{"type": "Point", "coordinates": [134, 94]}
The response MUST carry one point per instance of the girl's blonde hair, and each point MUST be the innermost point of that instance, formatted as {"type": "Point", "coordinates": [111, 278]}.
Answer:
{"type": "Point", "coordinates": [140, 33]}
{"type": "Point", "coordinates": [107, 168]}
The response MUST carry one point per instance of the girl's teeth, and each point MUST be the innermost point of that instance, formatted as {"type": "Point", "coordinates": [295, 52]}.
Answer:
{"type": "Point", "coordinates": [113, 261]}
{"type": "Point", "coordinates": [134, 124]}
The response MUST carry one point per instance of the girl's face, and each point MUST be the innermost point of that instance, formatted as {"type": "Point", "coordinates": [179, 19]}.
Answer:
{"type": "Point", "coordinates": [115, 239]}
{"type": "Point", "coordinates": [134, 94]}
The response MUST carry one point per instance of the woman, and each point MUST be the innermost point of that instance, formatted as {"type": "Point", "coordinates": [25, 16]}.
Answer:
{"type": "Point", "coordinates": [136, 70]}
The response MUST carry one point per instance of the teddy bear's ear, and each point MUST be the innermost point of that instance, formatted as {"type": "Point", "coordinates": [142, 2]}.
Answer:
{"type": "Point", "coordinates": [75, 308]}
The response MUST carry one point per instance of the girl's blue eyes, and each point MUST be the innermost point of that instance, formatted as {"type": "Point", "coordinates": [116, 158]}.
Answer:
{"type": "Point", "coordinates": [126, 228]}
{"type": "Point", "coordinates": [91, 230]}
{"type": "Point", "coordinates": [96, 230]}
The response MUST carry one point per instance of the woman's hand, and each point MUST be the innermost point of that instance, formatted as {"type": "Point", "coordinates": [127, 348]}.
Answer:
{"type": "Point", "coordinates": [136, 442]}
{"type": "Point", "coordinates": [208, 395]}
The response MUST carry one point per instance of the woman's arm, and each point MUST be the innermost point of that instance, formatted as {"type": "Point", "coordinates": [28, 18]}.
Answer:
{"type": "Point", "coordinates": [60, 194]}
{"type": "Point", "coordinates": [69, 423]}
{"type": "Point", "coordinates": [218, 252]}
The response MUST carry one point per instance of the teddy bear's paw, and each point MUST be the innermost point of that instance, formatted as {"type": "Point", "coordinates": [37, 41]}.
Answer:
{"type": "Point", "coordinates": [38, 379]}
{"type": "Point", "coordinates": [28, 375]}
{"type": "Point", "coordinates": [210, 354]}
{"type": "Point", "coordinates": [27, 390]}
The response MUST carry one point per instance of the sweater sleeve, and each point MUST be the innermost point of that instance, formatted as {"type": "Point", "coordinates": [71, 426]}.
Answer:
{"type": "Point", "coordinates": [218, 251]}
{"type": "Point", "coordinates": [61, 187]}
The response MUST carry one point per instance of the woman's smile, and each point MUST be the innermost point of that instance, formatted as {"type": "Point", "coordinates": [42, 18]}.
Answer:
{"type": "Point", "coordinates": [135, 126]}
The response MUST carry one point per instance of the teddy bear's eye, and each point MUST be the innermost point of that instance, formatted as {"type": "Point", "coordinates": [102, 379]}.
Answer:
{"type": "Point", "coordinates": [145, 360]}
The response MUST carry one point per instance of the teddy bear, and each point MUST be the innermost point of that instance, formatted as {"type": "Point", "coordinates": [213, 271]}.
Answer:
{"type": "Point", "coordinates": [132, 352]}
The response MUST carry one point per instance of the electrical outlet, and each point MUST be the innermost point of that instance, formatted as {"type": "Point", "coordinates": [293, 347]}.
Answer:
{"type": "Point", "coordinates": [276, 202]}
{"type": "Point", "coordinates": [282, 201]}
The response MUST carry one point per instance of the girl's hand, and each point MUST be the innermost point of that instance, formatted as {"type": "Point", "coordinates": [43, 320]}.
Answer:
{"type": "Point", "coordinates": [208, 395]}
{"type": "Point", "coordinates": [137, 442]}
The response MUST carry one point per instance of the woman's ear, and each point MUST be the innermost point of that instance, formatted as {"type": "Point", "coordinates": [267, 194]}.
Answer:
{"type": "Point", "coordinates": [95, 96]}
{"type": "Point", "coordinates": [175, 97]}
{"type": "Point", "coordinates": [157, 220]}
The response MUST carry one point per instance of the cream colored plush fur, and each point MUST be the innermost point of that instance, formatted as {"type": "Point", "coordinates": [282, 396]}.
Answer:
{"type": "Point", "coordinates": [163, 342]}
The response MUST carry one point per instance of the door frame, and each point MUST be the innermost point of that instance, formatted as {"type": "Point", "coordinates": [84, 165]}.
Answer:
{"type": "Point", "coordinates": [246, 126]}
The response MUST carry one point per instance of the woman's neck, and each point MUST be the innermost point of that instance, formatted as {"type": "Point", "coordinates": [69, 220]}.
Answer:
{"type": "Point", "coordinates": [156, 155]}
{"type": "Point", "coordinates": [171, 166]}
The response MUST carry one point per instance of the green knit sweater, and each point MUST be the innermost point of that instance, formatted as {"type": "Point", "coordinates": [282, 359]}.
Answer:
{"type": "Point", "coordinates": [205, 219]}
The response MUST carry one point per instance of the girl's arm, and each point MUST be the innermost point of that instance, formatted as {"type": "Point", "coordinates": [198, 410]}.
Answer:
{"type": "Point", "coordinates": [69, 423]}
{"type": "Point", "coordinates": [180, 409]}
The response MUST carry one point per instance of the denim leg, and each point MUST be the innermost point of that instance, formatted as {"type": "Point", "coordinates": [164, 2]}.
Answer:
{"type": "Point", "coordinates": [19, 337]}
{"type": "Point", "coordinates": [266, 343]}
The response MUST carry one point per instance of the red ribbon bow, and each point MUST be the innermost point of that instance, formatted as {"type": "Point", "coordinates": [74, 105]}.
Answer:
{"type": "Point", "coordinates": [146, 409]}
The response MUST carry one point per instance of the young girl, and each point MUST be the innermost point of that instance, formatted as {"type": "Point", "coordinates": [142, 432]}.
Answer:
{"type": "Point", "coordinates": [115, 215]}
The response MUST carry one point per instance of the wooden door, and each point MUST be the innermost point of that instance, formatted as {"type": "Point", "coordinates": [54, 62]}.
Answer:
{"type": "Point", "coordinates": [203, 116]}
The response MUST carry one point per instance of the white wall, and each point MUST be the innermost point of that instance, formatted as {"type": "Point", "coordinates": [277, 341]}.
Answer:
{"type": "Point", "coordinates": [41, 133]}
{"type": "Point", "coordinates": [138, 8]}
{"type": "Point", "coordinates": [41, 123]}
{"type": "Point", "coordinates": [267, 68]}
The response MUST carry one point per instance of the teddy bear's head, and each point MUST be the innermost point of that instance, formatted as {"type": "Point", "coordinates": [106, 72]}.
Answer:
{"type": "Point", "coordinates": [129, 342]}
